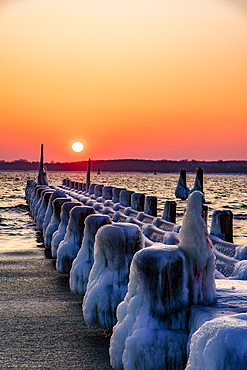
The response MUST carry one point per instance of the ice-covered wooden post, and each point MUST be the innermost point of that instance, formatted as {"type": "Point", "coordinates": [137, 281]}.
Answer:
{"type": "Point", "coordinates": [70, 246]}
{"type": "Point", "coordinates": [153, 318]}
{"type": "Point", "coordinates": [170, 211]}
{"type": "Point", "coordinates": [151, 206]}
{"type": "Point", "coordinates": [182, 191]}
{"type": "Point", "coordinates": [222, 225]}
{"type": "Point", "coordinates": [55, 220]}
{"type": "Point", "coordinates": [198, 185]}
{"type": "Point", "coordinates": [138, 202]}
{"type": "Point", "coordinates": [42, 210]}
{"type": "Point", "coordinates": [114, 248]}
{"type": "Point", "coordinates": [125, 198]}
{"type": "Point", "coordinates": [58, 235]}
{"type": "Point", "coordinates": [116, 193]}
{"type": "Point", "coordinates": [83, 262]}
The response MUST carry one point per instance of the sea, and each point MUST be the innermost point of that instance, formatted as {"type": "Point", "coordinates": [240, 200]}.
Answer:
{"type": "Point", "coordinates": [222, 192]}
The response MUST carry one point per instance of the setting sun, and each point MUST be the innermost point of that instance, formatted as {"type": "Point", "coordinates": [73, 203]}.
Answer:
{"type": "Point", "coordinates": [77, 147]}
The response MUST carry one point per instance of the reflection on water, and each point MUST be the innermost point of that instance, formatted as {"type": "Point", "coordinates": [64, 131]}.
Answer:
{"type": "Point", "coordinates": [17, 229]}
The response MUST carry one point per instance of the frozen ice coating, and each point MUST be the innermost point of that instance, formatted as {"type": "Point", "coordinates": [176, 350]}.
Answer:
{"type": "Point", "coordinates": [107, 192]}
{"type": "Point", "coordinates": [220, 344]}
{"type": "Point", "coordinates": [38, 204]}
{"type": "Point", "coordinates": [108, 211]}
{"type": "Point", "coordinates": [151, 206]}
{"type": "Point", "coordinates": [114, 248]}
{"type": "Point", "coordinates": [169, 213]}
{"type": "Point", "coordinates": [119, 217]}
{"type": "Point", "coordinates": [83, 262]}
{"type": "Point", "coordinates": [55, 220]}
{"type": "Point", "coordinates": [171, 238]}
{"type": "Point", "coordinates": [42, 210]}
{"type": "Point", "coordinates": [118, 207]}
{"type": "Point", "coordinates": [48, 214]}
{"type": "Point", "coordinates": [125, 198]}
{"type": "Point", "coordinates": [59, 235]}
{"type": "Point", "coordinates": [163, 224]}
{"type": "Point", "coordinates": [197, 185]}
{"type": "Point", "coordinates": [241, 252]}
{"type": "Point", "coordinates": [138, 202]}
{"type": "Point", "coordinates": [144, 217]}
{"type": "Point", "coordinates": [153, 233]}
{"type": "Point", "coordinates": [130, 212]}
{"type": "Point", "coordinates": [133, 220]}
{"type": "Point", "coordinates": [97, 191]}
{"type": "Point", "coordinates": [36, 197]}
{"type": "Point", "coordinates": [151, 330]}
{"type": "Point", "coordinates": [90, 190]}
{"type": "Point", "coordinates": [90, 202]}
{"type": "Point", "coordinates": [109, 203]}
{"type": "Point", "coordinates": [195, 241]}
{"type": "Point", "coordinates": [98, 207]}
{"type": "Point", "coordinates": [240, 270]}
{"type": "Point", "coordinates": [182, 191]}
{"type": "Point", "coordinates": [69, 247]}
{"type": "Point", "coordinates": [116, 193]}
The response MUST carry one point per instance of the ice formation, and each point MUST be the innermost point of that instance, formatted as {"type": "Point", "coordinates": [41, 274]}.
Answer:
{"type": "Point", "coordinates": [240, 270]}
{"type": "Point", "coordinates": [116, 193]}
{"type": "Point", "coordinates": [119, 217]}
{"type": "Point", "coordinates": [36, 198]}
{"type": "Point", "coordinates": [153, 233]}
{"type": "Point", "coordinates": [114, 248]}
{"type": "Point", "coordinates": [195, 241]}
{"type": "Point", "coordinates": [125, 198]}
{"type": "Point", "coordinates": [97, 191]}
{"type": "Point", "coordinates": [151, 330]}
{"type": "Point", "coordinates": [130, 212]}
{"type": "Point", "coordinates": [138, 202]}
{"type": "Point", "coordinates": [55, 220]}
{"type": "Point", "coordinates": [220, 344]}
{"type": "Point", "coordinates": [151, 206]}
{"type": "Point", "coordinates": [42, 210]}
{"type": "Point", "coordinates": [241, 252]}
{"type": "Point", "coordinates": [197, 185]}
{"type": "Point", "coordinates": [163, 224]}
{"type": "Point", "coordinates": [59, 235]}
{"type": "Point", "coordinates": [83, 262]}
{"type": "Point", "coordinates": [171, 238]}
{"type": "Point", "coordinates": [69, 247]}
{"type": "Point", "coordinates": [48, 214]}
{"type": "Point", "coordinates": [182, 191]}
{"type": "Point", "coordinates": [169, 213]}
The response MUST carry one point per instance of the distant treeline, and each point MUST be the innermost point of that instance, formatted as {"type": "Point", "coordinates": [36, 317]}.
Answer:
{"type": "Point", "coordinates": [131, 165]}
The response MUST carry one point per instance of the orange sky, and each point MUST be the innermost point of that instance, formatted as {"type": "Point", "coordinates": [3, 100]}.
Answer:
{"type": "Point", "coordinates": [128, 78]}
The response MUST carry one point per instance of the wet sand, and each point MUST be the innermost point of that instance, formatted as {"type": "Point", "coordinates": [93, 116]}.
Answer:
{"type": "Point", "coordinates": [41, 321]}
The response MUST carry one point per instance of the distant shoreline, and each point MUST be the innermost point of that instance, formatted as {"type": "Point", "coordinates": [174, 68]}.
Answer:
{"type": "Point", "coordinates": [131, 165]}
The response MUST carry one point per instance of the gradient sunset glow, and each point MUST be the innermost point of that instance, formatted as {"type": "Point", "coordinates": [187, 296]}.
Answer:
{"type": "Point", "coordinates": [129, 79]}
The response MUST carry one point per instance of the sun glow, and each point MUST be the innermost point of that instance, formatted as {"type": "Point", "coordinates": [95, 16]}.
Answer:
{"type": "Point", "coordinates": [77, 147]}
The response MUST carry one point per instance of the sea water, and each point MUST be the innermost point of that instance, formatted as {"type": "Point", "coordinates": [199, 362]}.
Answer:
{"type": "Point", "coordinates": [222, 191]}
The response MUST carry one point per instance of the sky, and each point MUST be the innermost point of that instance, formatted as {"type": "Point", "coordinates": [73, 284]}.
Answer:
{"type": "Point", "coordinates": [148, 79]}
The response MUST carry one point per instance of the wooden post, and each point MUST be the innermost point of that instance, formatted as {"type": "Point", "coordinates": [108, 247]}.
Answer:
{"type": "Point", "coordinates": [151, 206]}
{"type": "Point", "coordinates": [222, 226]}
{"type": "Point", "coordinates": [137, 202]}
{"type": "Point", "coordinates": [183, 177]}
{"type": "Point", "coordinates": [199, 173]}
{"type": "Point", "coordinates": [170, 211]}
{"type": "Point", "coordinates": [88, 175]}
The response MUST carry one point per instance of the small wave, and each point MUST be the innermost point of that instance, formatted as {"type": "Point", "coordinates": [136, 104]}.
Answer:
{"type": "Point", "coordinates": [240, 217]}
{"type": "Point", "coordinates": [18, 207]}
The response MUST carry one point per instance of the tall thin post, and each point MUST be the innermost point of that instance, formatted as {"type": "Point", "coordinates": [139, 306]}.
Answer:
{"type": "Point", "coordinates": [42, 178]}
{"type": "Point", "coordinates": [88, 174]}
